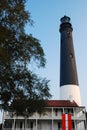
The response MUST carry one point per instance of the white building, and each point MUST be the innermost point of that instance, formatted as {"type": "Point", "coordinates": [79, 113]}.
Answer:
{"type": "Point", "coordinates": [50, 120]}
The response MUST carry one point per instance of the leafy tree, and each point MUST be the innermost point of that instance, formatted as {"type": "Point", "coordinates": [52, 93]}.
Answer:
{"type": "Point", "coordinates": [19, 86]}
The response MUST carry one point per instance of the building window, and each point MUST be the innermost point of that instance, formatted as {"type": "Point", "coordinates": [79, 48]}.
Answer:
{"type": "Point", "coordinates": [56, 112]}
{"type": "Point", "coordinates": [7, 125]}
{"type": "Point", "coordinates": [59, 125]}
{"type": "Point", "coordinates": [31, 125]}
{"type": "Point", "coordinates": [73, 125]}
{"type": "Point", "coordinates": [20, 124]}
{"type": "Point", "coordinates": [69, 111]}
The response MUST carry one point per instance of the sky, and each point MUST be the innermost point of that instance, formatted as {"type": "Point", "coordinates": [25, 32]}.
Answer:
{"type": "Point", "coordinates": [46, 15]}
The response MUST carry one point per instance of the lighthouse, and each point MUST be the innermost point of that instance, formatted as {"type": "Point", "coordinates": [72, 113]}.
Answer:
{"type": "Point", "coordinates": [69, 86]}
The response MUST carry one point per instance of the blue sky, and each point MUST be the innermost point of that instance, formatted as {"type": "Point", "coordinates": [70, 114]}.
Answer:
{"type": "Point", "coordinates": [46, 15]}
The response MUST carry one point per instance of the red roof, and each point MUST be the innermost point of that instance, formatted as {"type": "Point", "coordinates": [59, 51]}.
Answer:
{"type": "Point", "coordinates": [61, 103]}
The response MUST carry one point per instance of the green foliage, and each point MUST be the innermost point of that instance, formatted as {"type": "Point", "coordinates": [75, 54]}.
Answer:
{"type": "Point", "coordinates": [28, 107]}
{"type": "Point", "coordinates": [20, 88]}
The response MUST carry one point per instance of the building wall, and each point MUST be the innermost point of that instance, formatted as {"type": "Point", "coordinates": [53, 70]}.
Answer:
{"type": "Point", "coordinates": [50, 120]}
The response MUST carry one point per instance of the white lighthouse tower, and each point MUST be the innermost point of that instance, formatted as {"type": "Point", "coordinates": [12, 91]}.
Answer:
{"type": "Point", "coordinates": [69, 87]}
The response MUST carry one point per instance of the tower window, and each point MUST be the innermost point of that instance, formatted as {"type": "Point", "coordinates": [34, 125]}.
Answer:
{"type": "Point", "coordinates": [68, 33]}
{"type": "Point", "coordinates": [71, 55]}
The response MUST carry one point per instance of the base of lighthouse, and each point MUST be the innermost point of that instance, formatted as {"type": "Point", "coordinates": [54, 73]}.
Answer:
{"type": "Point", "coordinates": [70, 92]}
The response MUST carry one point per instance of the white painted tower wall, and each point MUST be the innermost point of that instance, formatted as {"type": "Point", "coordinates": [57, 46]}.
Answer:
{"type": "Point", "coordinates": [70, 92]}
